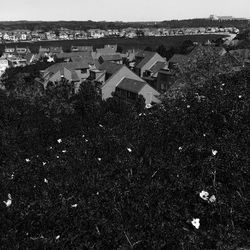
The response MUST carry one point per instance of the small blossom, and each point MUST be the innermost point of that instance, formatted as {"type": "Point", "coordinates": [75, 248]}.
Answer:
{"type": "Point", "coordinates": [57, 237]}
{"type": "Point", "coordinates": [57, 157]}
{"type": "Point", "coordinates": [204, 135]}
{"type": "Point", "coordinates": [9, 201]}
{"type": "Point", "coordinates": [99, 159]}
{"type": "Point", "coordinates": [129, 150]}
{"type": "Point", "coordinates": [83, 136]}
{"type": "Point", "coordinates": [100, 125]}
{"type": "Point", "coordinates": [74, 205]}
{"type": "Point", "coordinates": [12, 176]}
{"type": "Point", "coordinates": [214, 152]}
{"type": "Point", "coordinates": [46, 181]}
{"type": "Point", "coordinates": [97, 193]}
{"type": "Point", "coordinates": [148, 106]}
{"type": "Point", "coordinates": [44, 163]}
{"type": "Point", "coordinates": [204, 195]}
{"type": "Point", "coordinates": [86, 140]}
{"type": "Point", "coordinates": [180, 148]}
{"type": "Point", "coordinates": [196, 223]}
{"type": "Point", "coordinates": [64, 151]}
{"type": "Point", "coordinates": [240, 96]}
{"type": "Point", "coordinates": [59, 140]}
{"type": "Point", "coordinates": [50, 147]}
{"type": "Point", "coordinates": [188, 106]}
{"type": "Point", "coordinates": [212, 199]}
{"type": "Point", "coordinates": [27, 160]}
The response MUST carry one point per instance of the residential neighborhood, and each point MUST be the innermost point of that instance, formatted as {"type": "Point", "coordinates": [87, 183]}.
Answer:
{"type": "Point", "coordinates": [128, 74]}
{"type": "Point", "coordinates": [67, 34]}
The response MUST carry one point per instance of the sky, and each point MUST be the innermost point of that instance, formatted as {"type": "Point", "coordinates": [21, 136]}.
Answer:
{"type": "Point", "coordinates": [120, 10]}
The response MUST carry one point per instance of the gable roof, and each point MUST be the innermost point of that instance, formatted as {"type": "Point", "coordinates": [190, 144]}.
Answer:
{"type": "Point", "coordinates": [147, 55]}
{"type": "Point", "coordinates": [74, 56]}
{"type": "Point", "coordinates": [110, 67]}
{"type": "Point", "coordinates": [70, 66]}
{"type": "Point", "coordinates": [131, 85]}
{"type": "Point", "coordinates": [115, 57]}
{"type": "Point", "coordinates": [157, 66]}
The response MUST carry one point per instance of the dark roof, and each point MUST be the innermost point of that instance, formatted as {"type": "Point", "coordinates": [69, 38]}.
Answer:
{"type": "Point", "coordinates": [74, 56]}
{"type": "Point", "coordinates": [110, 67]}
{"type": "Point", "coordinates": [157, 66]}
{"type": "Point", "coordinates": [147, 55]}
{"type": "Point", "coordinates": [131, 85]}
{"type": "Point", "coordinates": [115, 57]}
{"type": "Point", "coordinates": [70, 66]}
{"type": "Point", "coordinates": [178, 58]}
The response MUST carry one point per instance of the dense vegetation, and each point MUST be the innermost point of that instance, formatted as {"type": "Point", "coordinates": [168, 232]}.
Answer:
{"type": "Point", "coordinates": [81, 173]}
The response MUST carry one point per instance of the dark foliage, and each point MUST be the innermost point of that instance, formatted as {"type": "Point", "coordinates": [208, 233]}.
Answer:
{"type": "Point", "coordinates": [87, 174]}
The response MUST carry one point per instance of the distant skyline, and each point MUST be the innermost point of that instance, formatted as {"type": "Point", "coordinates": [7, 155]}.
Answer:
{"type": "Point", "coordinates": [120, 10]}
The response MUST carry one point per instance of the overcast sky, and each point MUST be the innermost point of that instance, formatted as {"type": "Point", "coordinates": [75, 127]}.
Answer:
{"type": "Point", "coordinates": [120, 10]}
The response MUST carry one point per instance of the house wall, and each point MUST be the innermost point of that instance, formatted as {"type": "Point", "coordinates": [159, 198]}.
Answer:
{"type": "Point", "coordinates": [150, 94]}
{"type": "Point", "coordinates": [114, 80]}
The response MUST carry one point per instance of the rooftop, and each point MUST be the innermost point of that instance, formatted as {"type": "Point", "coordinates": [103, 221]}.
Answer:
{"type": "Point", "coordinates": [131, 85]}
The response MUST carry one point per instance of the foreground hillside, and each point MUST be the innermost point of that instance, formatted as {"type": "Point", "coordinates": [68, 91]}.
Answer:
{"type": "Point", "coordinates": [80, 173]}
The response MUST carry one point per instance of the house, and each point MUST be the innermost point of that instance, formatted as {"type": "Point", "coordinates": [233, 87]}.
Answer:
{"type": "Point", "coordinates": [76, 57]}
{"type": "Point", "coordinates": [73, 72]}
{"type": "Point", "coordinates": [165, 79]}
{"type": "Point", "coordinates": [145, 60]}
{"type": "Point", "coordinates": [81, 48]}
{"type": "Point", "coordinates": [55, 50]}
{"type": "Point", "coordinates": [4, 64]}
{"type": "Point", "coordinates": [116, 58]}
{"type": "Point", "coordinates": [118, 78]}
{"type": "Point", "coordinates": [107, 50]}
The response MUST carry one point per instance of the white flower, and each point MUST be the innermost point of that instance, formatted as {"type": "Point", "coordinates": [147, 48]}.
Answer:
{"type": "Point", "coordinates": [240, 96]}
{"type": "Point", "coordinates": [50, 147]}
{"type": "Point", "coordinates": [204, 195]}
{"type": "Point", "coordinates": [57, 157]}
{"type": "Point", "coordinates": [44, 163]}
{"type": "Point", "coordinates": [86, 140]}
{"type": "Point", "coordinates": [212, 199]}
{"type": "Point", "coordinates": [180, 148]}
{"type": "Point", "coordinates": [46, 181]}
{"type": "Point", "coordinates": [64, 151]}
{"type": "Point", "coordinates": [59, 140]}
{"type": "Point", "coordinates": [9, 201]}
{"type": "Point", "coordinates": [83, 136]}
{"type": "Point", "coordinates": [57, 237]}
{"type": "Point", "coordinates": [129, 150]}
{"type": "Point", "coordinates": [27, 160]}
{"type": "Point", "coordinates": [74, 205]}
{"type": "Point", "coordinates": [196, 223]}
{"type": "Point", "coordinates": [148, 106]}
{"type": "Point", "coordinates": [214, 152]}
{"type": "Point", "coordinates": [99, 159]}
{"type": "Point", "coordinates": [97, 193]}
{"type": "Point", "coordinates": [204, 135]}
{"type": "Point", "coordinates": [100, 125]}
{"type": "Point", "coordinates": [188, 106]}
{"type": "Point", "coordinates": [12, 176]}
